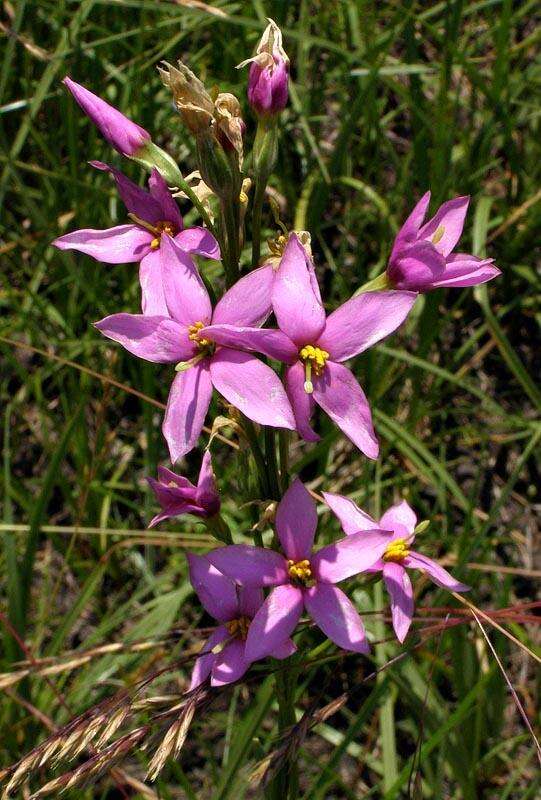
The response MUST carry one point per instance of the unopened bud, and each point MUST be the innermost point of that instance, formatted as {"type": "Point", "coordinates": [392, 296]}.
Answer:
{"type": "Point", "coordinates": [269, 73]}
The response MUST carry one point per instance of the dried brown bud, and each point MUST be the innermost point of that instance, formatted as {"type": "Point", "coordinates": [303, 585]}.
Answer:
{"type": "Point", "coordinates": [190, 96]}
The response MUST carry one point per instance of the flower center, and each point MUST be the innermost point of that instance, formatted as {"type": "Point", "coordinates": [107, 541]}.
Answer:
{"type": "Point", "coordinates": [238, 627]}
{"type": "Point", "coordinates": [396, 551]}
{"type": "Point", "coordinates": [193, 335]}
{"type": "Point", "coordinates": [314, 359]}
{"type": "Point", "coordinates": [300, 573]}
{"type": "Point", "coordinates": [163, 226]}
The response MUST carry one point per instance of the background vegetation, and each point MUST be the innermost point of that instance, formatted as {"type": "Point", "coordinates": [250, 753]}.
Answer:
{"type": "Point", "coordinates": [388, 99]}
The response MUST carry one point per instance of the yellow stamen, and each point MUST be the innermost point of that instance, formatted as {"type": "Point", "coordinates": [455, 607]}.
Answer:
{"type": "Point", "coordinates": [300, 573]}
{"type": "Point", "coordinates": [163, 226]}
{"type": "Point", "coordinates": [314, 359]}
{"type": "Point", "coordinates": [193, 335]}
{"type": "Point", "coordinates": [438, 235]}
{"type": "Point", "coordinates": [238, 627]}
{"type": "Point", "coordinates": [396, 551]}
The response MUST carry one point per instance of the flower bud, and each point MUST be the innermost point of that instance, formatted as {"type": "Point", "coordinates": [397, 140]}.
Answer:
{"type": "Point", "coordinates": [191, 99]}
{"type": "Point", "coordinates": [269, 73]}
{"type": "Point", "coordinates": [121, 133]}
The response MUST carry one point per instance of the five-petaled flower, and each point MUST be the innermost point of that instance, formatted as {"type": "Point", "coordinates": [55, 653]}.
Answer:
{"type": "Point", "coordinates": [153, 214]}
{"type": "Point", "coordinates": [422, 257]}
{"type": "Point", "coordinates": [268, 79]}
{"type": "Point", "coordinates": [177, 495]}
{"type": "Point", "coordinates": [302, 579]}
{"type": "Point", "coordinates": [124, 135]}
{"type": "Point", "coordinates": [234, 607]}
{"type": "Point", "coordinates": [399, 521]}
{"type": "Point", "coordinates": [178, 337]}
{"type": "Point", "coordinates": [314, 345]}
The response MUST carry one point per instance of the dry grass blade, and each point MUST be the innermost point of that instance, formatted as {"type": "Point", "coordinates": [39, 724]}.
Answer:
{"type": "Point", "coordinates": [173, 740]}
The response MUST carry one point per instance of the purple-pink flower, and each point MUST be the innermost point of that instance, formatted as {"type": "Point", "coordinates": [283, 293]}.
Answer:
{"type": "Point", "coordinates": [177, 337]}
{"type": "Point", "coordinates": [400, 521]}
{"type": "Point", "coordinates": [314, 345]}
{"type": "Point", "coordinates": [121, 133]}
{"type": "Point", "coordinates": [302, 579]}
{"type": "Point", "coordinates": [177, 495]}
{"type": "Point", "coordinates": [422, 257]}
{"type": "Point", "coordinates": [154, 214]}
{"type": "Point", "coordinates": [268, 79]}
{"type": "Point", "coordinates": [234, 607]}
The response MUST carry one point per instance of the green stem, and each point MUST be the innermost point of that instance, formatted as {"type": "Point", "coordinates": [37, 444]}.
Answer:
{"type": "Point", "coordinates": [257, 210]}
{"type": "Point", "coordinates": [219, 528]}
{"type": "Point", "coordinates": [272, 463]}
{"type": "Point", "coordinates": [259, 459]}
{"type": "Point", "coordinates": [283, 444]}
{"type": "Point", "coordinates": [381, 282]}
{"type": "Point", "coordinates": [230, 216]}
{"type": "Point", "coordinates": [285, 783]}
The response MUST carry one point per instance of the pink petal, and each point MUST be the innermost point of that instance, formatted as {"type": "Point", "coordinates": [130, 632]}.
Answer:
{"type": "Point", "coordinates": [349, 556]}
{"type": "Point", "coordinates": [216, 592]}
{"type": "Point", "coordinates": [450, 216]}
{"type": "Point", "coordinates": [296, 305]}
{"type": "Point", "coordinates": [409, 231]}
{"type": "Point", "coordinates": [250, 566]}
{"type": "Point", "coordinates": [250, 600]}
{"type": "Point", "coordinates": [352, 518]}
{"type": "Point", "coordinates": [204, 663]}
{"type": "Point", "coordinates": [187, 406]}
{"type": "Point", "coordinates": [271, 343]}
{"type": "Point", "coordinates": [439, 575]}
{"type": "Point", "coordinates": [121, 133]}
{"type": "Point", "coordinates": [136, 199]}
{"type": "Point", "coordinates": [302, 403]}
{"type": "Point", "coordinates": [401, 519]}
{"type": "Point", "coordinates": [150, 277]}
{"type": "Point", "coordinates": [207, 494]}
{"type": "Point", "coordinates": [198, 241]}
{"type": "Point", "coordinates": [364, 320]}
{"type": "Point", "coordinates": [118, 245]}
{"type": "Point", "coordinates": [248, 302]}
{"type": "Point", "coordinates": [339, 394]}
{"type": "Point", "coordinates": [167, 476]}
{"type": "Point", "coordinates": [417, 267]}
{"type": "Point", "coordinates": [462, 269]}
{"type": "Point", "coordinates": [274, 622]}
{"type": "Point", "coordinates": [169, 211]}
{"type": "Point", "coordinates": [284, 650]}
{"type": "Point", "coordinates": [230, 664]}
{"type": "Point", "coordinates": [296, 521]}
{"type": "Point", "coordinates": [252, 387]}
{"type": "Point", "coordinates": [399, 587]}
{"type": "Point", "coordinates": [157, 339]}
{"type": "Point", "coordinates": [185, 294]}
{"type": "Point", "coordinates": [335, 615]}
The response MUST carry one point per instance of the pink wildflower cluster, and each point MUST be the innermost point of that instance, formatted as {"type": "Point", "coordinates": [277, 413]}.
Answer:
{"type": "Point", "coordinates": [274, 313]}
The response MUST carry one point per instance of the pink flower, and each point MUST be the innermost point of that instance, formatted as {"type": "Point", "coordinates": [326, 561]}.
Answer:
{"type": "Point", "coordinates": [177, 336]}
{"type": "Point", "coordinates": [400, 520]}
{"type": "Point", "coordinates": [121, 133]}
{"type": "Point", "coordinates": [314, 345]}
{"type": "Point", "coordinates": [177, 495]}
{"type": "Point", "coordinates": [154, 214]}
{"type": "Point", "coordinates": [234, 607]}
{"type": "Point", "coordinates": [269, 73]}
{"type": "Point", "coordinates": [422, 257]}
{"type": "Point", "coordinates": [302, 580]}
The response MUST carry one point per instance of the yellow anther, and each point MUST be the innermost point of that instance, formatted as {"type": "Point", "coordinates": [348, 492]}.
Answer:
{"type": "Point", "coordinates": [396, 551]}
{"type": "Point", "coordinates": [277, 245]}
{"type": "Point", "coordinates": [438, 234]}
{"type": "Point", "coordinates": [243, 198]}
{"type": "Point", "coordinates": [314, 358]}
{"type": "Point", "coordinates": [238, 627]}
{"type": "Point", "coordinates": [163, 226]}
{"type": "Point", "coordinates": [193, 335]}
{"type": "Point", "coordinates": [300, 572]}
